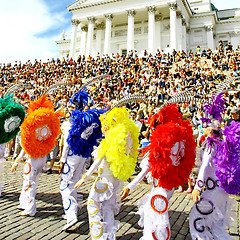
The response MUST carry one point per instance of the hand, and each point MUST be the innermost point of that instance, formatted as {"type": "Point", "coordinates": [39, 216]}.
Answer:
{"type": "Point", "coordinates": [196, 195]}
{"type": "Point", "coordinates": [125, 193]}
{"type": "Point", "coordinates": [14, 167]}
{"type": "Point", "coordinates": [60, 167]}
{"type": "Point", "coordinates": [79, 183]}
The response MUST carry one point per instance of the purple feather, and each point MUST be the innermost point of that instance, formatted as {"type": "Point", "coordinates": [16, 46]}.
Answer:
{"type": "Point", "coordinates": [228, 160]}
{"type": "Point", "coordinates": [216, 108]}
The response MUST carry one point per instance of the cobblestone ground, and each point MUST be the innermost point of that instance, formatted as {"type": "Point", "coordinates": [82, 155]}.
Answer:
{"type": "Point", "coordinates": [47, 223]}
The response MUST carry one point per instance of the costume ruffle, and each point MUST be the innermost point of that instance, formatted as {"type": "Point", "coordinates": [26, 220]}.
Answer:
{"type": "Point", "coordinates": [227, 161]}
{"type": "Point", "coordinates": [12, 115]}
{"type": "Point", "coordinates": [85, 131]}
{"type": "Point", "coordinates": [162, 140]}
{"type": "Point", "coordinates": [121, 143]}
{"type": "Point", "coordinates": [40, 129]}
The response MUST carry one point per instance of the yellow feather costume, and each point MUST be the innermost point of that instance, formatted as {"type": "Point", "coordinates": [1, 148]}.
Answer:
{"type": "Point", "coordinates": [120, 144]}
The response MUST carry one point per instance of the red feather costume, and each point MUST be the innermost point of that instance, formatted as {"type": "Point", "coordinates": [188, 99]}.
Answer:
{"type": "Point", "coordinates": [167, 129]}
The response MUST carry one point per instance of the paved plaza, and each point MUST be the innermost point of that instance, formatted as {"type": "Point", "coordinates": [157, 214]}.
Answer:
{"type": "Point", "coordinates": [47, 223]}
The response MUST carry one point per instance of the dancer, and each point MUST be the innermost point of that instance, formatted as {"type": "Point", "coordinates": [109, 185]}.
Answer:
{"type": "Point", "coordinates": [219, 172]}
{"type": "Point", "coordinates": [115, 159]}
{"type": "Point", "coordinates": [38, 136]}
{"type": "Point", "coordinates": [81, 134]}
{"type": "Point", "coordinates": [169, 159]}
{"type": "Point", "coordinates": [11, 117]}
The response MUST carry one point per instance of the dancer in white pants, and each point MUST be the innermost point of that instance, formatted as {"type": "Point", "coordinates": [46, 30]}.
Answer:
{"type": "Point", "coordinates": [73, 168]}
{"type": "Point", "coordinates": [209, 215]}
{"type": "Point", "coordinates": [168, 161]}
{"type": "Point", "coordinates": [81, 133]}
{"type": "Point", "coordinates": [115, 160]}
{"type": "Point", "coordinates": [32, 169]}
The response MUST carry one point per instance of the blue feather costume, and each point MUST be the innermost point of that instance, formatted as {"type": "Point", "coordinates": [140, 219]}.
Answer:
{"type": "Point", "coordinates": [85, 131]}
{"type": "Point", "coordinates": [82, 132]}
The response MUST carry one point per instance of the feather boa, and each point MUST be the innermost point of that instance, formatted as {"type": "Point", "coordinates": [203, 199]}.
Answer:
{"type": "Point", "coordinates": [227, 161]}
{"type": "Point", "coordinates": [171, 130]}
{"type": "Point", "coordinates": [8, 110]}
{"type": "Point", "coordinates": [120, 144]}
{"type": "Point", "coordinates": [85, 131]}
{"type": "Point", "coordinates": [40, 114]}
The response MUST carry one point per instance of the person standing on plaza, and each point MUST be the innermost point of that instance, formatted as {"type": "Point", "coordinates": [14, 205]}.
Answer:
{"type": "Point", "coordinates": [115, 159]}
{"type": "Point", "coordinates": [81, 133]}
{"type": "Point", "coordinates": [39, 132]}
{"type": "Point", "coordinates": [11, 117]}
{"type": "Point", "coordinates": [169, 159]}
{"type": "Point", "coordinates": [219, 172]}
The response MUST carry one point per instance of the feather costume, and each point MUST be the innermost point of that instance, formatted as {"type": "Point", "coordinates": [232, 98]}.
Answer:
{"type": "Point", "coordinates": [85, 131]}
{"type": "Point", "coordinates": [11, 117]}
{"type": "Point", "coordinates": [41, 128]}
{"type": "Point", "coordinates": [122, 136]}
{"type": "Point", "coordinates": [170, 129]}
{"type": "Point", "coordinates": [227, 162]}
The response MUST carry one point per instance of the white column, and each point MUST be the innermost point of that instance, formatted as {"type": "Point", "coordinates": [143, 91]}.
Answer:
{"type": "Point", "coordinates": [99, 33]}
{"type": "Point", "coordinates": [158, 34]}
{"type": "Point", "coordinates": [179, 32]}
{"type": "Point", "coordinates": [75, 24]}
{"type": "Point", "coordinates": [130, 34]}
{"type": "Point", "coordinates": [151, 29]}
{"type": "Point", "coordinates": [91, 21]}
{"type": "Point", "coordinates": [184, 35]}
{"type": "Point", "coordinates": [210, 39]}
{"type": "Point", "coordinates": [83, 40]}
{"type": "Point", "coordinates": [173, 26]}
{"type": "Point", "coordinates": [108, 29]}
{"type": "Point", "coordinates": [234, 39]}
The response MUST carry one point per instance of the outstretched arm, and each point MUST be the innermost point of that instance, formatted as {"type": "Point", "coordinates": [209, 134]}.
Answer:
{"type": "Point", "coordinates": [90, 171]}
{"type": "Point", "coordinates": [137, 179]}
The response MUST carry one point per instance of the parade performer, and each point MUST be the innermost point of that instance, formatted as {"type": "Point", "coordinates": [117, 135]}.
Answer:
{"type": "Point", "coordinates": [115, 159]}
{"type": "Point", "coordinates": [219, 172]}
{"type": "Point", "coordinates": [11, 117]}
{"type": "Point", "coordinates": [82, 132]}
{"type": "Point", "coordinates": [168, 161]}
{"type": "Point", "coordinates": [39, 132]}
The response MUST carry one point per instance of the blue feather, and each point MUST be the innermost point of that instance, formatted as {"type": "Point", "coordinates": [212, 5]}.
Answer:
{"type": "Point", "coordinates": [84, 132]}
{"type": "Point", "coordinates": [80, 99]}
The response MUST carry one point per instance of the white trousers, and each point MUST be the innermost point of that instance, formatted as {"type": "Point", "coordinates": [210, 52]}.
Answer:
{"type": "Point", "coordinates": [208, 216]}
{"type": "Point", "coordinates": [32, 169]}
{"type": "Point", "coordinates": [72, 172]}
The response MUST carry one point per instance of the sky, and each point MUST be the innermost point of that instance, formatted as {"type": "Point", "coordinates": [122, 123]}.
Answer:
{"type": "Point", "coordinates": [29, 28]}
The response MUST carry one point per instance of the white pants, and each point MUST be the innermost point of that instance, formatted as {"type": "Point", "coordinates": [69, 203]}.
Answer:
{"type": "Point", "coordinates": [153, 211]}
{"type": "Point", "coordinates": [207, 219]}
{"type": "Point", "coordinates": [32, 169]}
{"type": "Point", "coordinates": [72, 172]}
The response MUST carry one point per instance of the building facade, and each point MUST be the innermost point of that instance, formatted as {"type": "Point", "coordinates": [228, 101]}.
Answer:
{"type": "Point", "coordinates": [119, 26]}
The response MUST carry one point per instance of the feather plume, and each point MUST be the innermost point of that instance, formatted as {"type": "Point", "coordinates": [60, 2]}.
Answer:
{"type": "Point", "coordinates": [128, 99]}
{"type": "Point", "coordinates": [221, 86]}
{"type": "Point", "coordinates": [94, 80]}
{"type": "Point", "coordinates": [55, 87]}
{"type": "Point", "coordinates": [16, 87]}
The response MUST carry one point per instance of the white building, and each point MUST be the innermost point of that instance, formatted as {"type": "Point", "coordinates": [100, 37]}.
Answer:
{"type": "Point", "coordinates": [111, 26]}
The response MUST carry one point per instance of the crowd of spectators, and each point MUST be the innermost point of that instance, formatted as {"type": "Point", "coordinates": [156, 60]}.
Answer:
{"type": "Point", "coordinates": [158, 76]}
